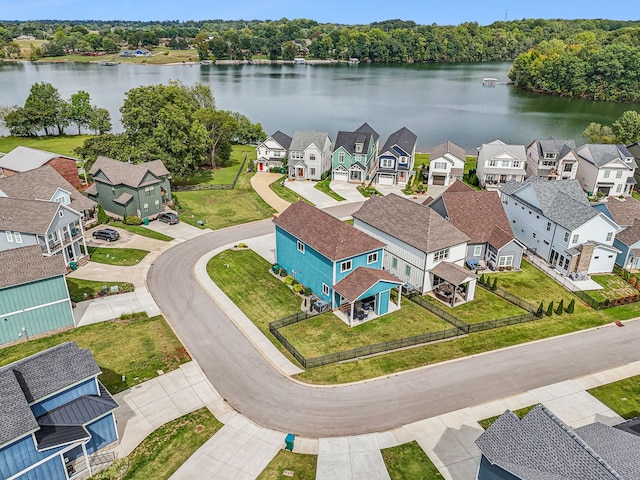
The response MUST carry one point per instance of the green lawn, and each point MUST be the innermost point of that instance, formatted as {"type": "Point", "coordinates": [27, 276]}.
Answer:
{"type": "Point", "coordinates": [285, 193]}
{"type": "Point", "coordinates": [142, 231]}
{"type": "Point", "coordinates": [613, 287]}
{"type": "Point", "coordinates": [135, 346]}
{"type": "Point", "coordinates": [303, 466]}
{"type": "Point", "coordinates": [421, 159]}
{"type": "Point", "coordinates": [248, 283]}
{"type": "Point", "coordinates": [521, 412]}
{"type": "Point", "coordinates": [409, 462]}
{"type": "Point", "coordinates": [223, 208]}
{"type": "Point", "coordinates": [368, 191]}
{"type": "Point", "coordinates": [324, 187]}
{"type": "Point", "coordinates": [326, 333]}
{"type": "Point", "coordinates": [165, 450]}
{"type": "Point", "coordinates": [78, 287]}
{"type": "Point", "coordinates": [221, 175]}
{"type": "Point", "coordinates": [484, 307]}
{"type": "Point", "coordinates": [62, 144]}
{"type": "Point", "coordinates": [623, 396]}
{"type": "Point", "coordinates": [123, 257]}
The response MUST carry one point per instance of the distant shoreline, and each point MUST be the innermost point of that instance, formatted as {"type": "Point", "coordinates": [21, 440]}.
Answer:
{"type": "Point", "coordinates": [98, 61]}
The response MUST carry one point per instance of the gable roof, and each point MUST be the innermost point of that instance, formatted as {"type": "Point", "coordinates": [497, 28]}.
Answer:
{"type": "Point", "coordinates": [27, 216]}
{"type": "Point", "coordinates": [28, 264]}
{"type": "Point", "coordinates": [410, 222]}
{"type": "Point", "coordinates": [554, 145]}
{"type": "Point", "coordinates": [348, 141]}
{"type": "Point", "coordinates": [326, 234]}
{"type": "Point", "coordinates": [542, 447]}
{"type": "Point", "coordinates": [124, 173]}
{"type": "Point", "coordinates": [624, 212]}
{"type": "Point", "coordinates": [22, 159]}
{"type": "Point", "coordinates": [479, 215]}
{"type": "Point", "coordinates": [366, 128]}
{"type": "Point", "coordinates": [37, 377]}
{"type": "Point", "coordinates": [358, 282]}
{"type": "Point", "coordinates": [40, 184]}
{"type": "Point", "coordinates": [448, 147]}
{"type": "Point", "coordinates": [302, 139]}
{"type": "Point", "coordinates": [497, 150]}
{"type": "Point", "coordinates": [561, 201]}
{"type": "Point", "coordinates": [283, 139]}
{"type": "Point", "coordinates": [452, 273]}
{"type": "Point", "coordinates": [600, 154]}
{"type": "Point", "coordinates": [403, 138]}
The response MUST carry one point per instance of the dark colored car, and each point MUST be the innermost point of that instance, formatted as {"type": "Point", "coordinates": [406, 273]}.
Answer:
{"type": "Point", "coordinates": [108, 234]}
{"type": "Point", "coordinates": [170, 218]}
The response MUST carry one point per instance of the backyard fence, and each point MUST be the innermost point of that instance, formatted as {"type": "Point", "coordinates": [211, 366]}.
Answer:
{"type": "Point", "coordinates": [511, 298]}
{"type": "Point", "coordinates": [213, 186]}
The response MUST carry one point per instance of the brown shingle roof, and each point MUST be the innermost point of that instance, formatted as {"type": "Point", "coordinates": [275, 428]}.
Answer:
{"type": "Point", "coordinates": [26, 216]}
{"type": "Point", "coordinates": [124, 198]}
{"type": "Point", "coordinates": [624, 212]}
{"type": "Point", "coordinates": [452, 273]}
{"type": "Point", "coordinates": [410, 222]}
{"type": "Point", "coordinates": [123, 173]}
{"type": "Point", "coordinates": [326, 234]}
{"type": "Point", "coordinates": [354, 285]}
{"type": "Point", "coordinates": [41, 184]}
{"type": "Point", "coordinates": [27, 264]}
{"type": "Point", "coordinates": [459, 186]}
{"type": "Point", "coordinates": [480, 215]}
{"type": "Point", "coordinates": [631, 234]}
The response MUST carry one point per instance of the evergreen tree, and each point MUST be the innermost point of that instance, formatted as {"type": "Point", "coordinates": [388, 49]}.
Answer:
{"type": "Point", "coordinates": [482, 280]}
{"type": "Point", "coordinates": [571, 306]}
{"type": "Point", "coordinates": [560, 308]}
{"type": "Point", "coordinates": [540, 310]}
{"type": "Point", "coordinates": [549, 311]}
{"type": "Point", "coordinates": [495, 284]}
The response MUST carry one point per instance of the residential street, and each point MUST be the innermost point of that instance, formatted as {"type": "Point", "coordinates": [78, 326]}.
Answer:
{"type": "Point", "coordinates": [251, 385]}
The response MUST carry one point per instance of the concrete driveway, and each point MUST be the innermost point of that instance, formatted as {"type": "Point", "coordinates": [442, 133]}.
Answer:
{"type": "Point", "coordinates": [180, 231]}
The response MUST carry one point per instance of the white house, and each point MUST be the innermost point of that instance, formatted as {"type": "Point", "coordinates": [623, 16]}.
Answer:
{"type": "Point", "coordinates": [446, 164]}
{"type": "Point", "coordinates": [309, 155]}
{"type": "Point", "coordinates": [273, 151]}
{"type": "Point", "coordinates": [498, 163]}
{"type": "Point", "coordinates": [552, 159]}
{"type": "Point", "coordinates": [556, 222]}
{"type": "Point", "coordinates": [422, 248]}
{"type": "Point", "coordinates": [606, 168]}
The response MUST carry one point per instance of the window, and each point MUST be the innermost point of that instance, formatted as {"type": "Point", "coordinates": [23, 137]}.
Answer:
{"type": "Point", "coordinates": [477, 250]}
{"type": "Point", "coordinates": [441, 254]}
{"type": "Point", "coordinates": [575, 238]}
{"type": "Point", "coordinates": [549, 155]}
{"type": "Point", "coordinates": [566, 263]}
{"type": "Point", "coordinates": [548, 164]}
{"type": "Point", "coordinates": [505, 200]}
{"type": "Point", "coordinates": [533, 234]}
{"type": "Point", "coordinates": [312, 157]}
{"type": "Point", "coordinates": [61, 213]}
{"type": "Point", "coordinates": [548, 226]}
{"type": "Point", "coordinates": [394, 263]}
{"type": "Point", "coordinates": [491, 163]}
{"type": "Point", "coordinates": [505, 261]}
{"type": "Point", "coordinates": [341, 157]}
{"type": "Point", "coordinates": [516, 164]}
{"type": "Point", "coordinates": [157, 203]}
{"type": "Point", "coordinates": [609, 236]}
{"type": "Point", "coordinates": [148, 190]}
{"type": "Point", "coordinates": [146, 208]}
{"type": "Point", "coordinates": [9, 236]}
{"type": "Point", "coordinates": [407, 270]}
{"type": "Point", "coordinates": [358, 147]}
{"type": "Point", "coordinates": [18, 237]}
{"type": "Point", "coordinates": [277, 153]}
{"type": "Point", "coordinates": [312, 171]}
{"type": "Point", "coordinates": [372, 257]}
{"type": "Point", "coordinates": [300, 246]}
{"type": "Point", "coordinates": [568, 167]}
{"type": "Point", "coordinates": [505, 163]}
{"type": "Point", "coordinates": [619, 174]}
{"type": "Point", "coordinates": [566, 236]}
{"type": "Point", "coordinates": [386, 163]}
{"type": "Point", "coordinates": [345, 266]}
{"type": "Point", "coordinates": [325, 289]}
{"type": "Point", "coordinates": [606, 173]}
{"type": "Point", "coordinates": [618, 188]}
{"type": "Point", "coordinates": [440, 165]}
{"type": "Point", "coordinates": [404, 159]}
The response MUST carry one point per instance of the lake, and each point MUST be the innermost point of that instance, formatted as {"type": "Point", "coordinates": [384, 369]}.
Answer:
{"type": "Point", "coordinates": [438, 102]}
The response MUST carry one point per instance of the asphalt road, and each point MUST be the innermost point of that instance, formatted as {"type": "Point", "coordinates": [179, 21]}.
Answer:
{"type": "Point", "coordinates": [253, 387]}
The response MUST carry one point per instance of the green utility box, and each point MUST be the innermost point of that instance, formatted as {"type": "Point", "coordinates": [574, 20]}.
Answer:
{"type": "Point", "coordinates": [288, 441]}
{"type": "Point", "coordinates": [73, 265]}
{"type": "Point", "coordinates": [145, 220]}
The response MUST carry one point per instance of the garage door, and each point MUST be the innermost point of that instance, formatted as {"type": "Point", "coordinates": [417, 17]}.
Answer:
{"type": "Point", "coordinates": [439, 179]}
{"type": "Point", "coordinates": [341, 176]}
{"type": "Point", "coordinates": [386, 179]}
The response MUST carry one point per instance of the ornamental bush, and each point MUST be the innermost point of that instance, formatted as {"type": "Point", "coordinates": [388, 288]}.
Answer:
{"type": "Point", "coordinates": [288, 280]}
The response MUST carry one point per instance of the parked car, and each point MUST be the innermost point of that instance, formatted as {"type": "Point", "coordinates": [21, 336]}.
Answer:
{"type": "Point", "coordinates": [169, 217]}
{"type": "Point", "coordinates": [108, 234]}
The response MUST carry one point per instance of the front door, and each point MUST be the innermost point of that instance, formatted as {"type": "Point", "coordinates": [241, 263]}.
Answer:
{"type": "Point", "coordinates": [300, 172]}
{"type": "Point", "coordinates": [261, 166]}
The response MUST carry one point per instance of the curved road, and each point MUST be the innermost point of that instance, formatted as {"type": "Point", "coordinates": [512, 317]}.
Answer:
{"type": "Point", "coordinates": [251, 385]}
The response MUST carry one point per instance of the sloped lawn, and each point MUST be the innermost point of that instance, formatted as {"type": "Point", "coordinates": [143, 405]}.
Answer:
{"type": "Point", "coordinates": [613, 287]}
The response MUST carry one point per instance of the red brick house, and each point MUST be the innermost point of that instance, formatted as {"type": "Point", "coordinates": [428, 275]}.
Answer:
{"type": "Point", "coordinates": [24, 159]}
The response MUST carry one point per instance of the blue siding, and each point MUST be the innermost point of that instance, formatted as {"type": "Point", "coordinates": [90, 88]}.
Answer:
{"type": "Point", "coordinates": [359, 261]}
{"type": "Point", "coordinates": [310, 268]}
{"type": "Point", "coordinates": [382, 303]}
{"type": "Point", "coordinates": [622, 257]}
{"type": "Point", "coordinates": [379, 288]}
{"type": "Point", "coordinates": [394, 164]}
{"type": "Point", "coordinates": [103, 432]}
{"type": "Point", "coordinates": [19, 455]}
{"type": "Point", "coordinates": [87, 387]}
{"type": "Point", "coordinates": [488, 471]}
{"type": "Point", "coordinates": [52, 470]}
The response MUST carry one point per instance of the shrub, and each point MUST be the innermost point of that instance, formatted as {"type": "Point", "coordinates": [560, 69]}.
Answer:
{"type": "Point", "coordinates": [102, 216]}
{"type": "Point", "coordinates": [288, 280]}
{"type": "Point", "coordinates": [560, 309]}
{"type": "Point", "coordinates": [132, 220]}
{"type": "Point", "coordinates": [494, 285]}
{"type": "Point", "coordinates": [633, 280]}
{"type": "Point", "coordinates": [297, 288]}
{"type": "Point", "coordinates": [242, 245]}
{"type": "Point", "coordinates": [307, 291]}
{"type": "Point", "coordinates": [549, 311]}
{"type": "Point", "coordinates": [571, 306]}
{"type": "Point", "coordinates": [473, 180]}
{"type": "Point", "coordinates": [540, 310]}
{"type": "Point", "coordinates": [482, 280]}
{"type": "Point", "coordinates": [283, 272]}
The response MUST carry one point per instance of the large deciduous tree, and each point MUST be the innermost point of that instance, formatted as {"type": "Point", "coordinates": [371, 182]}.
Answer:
{"type": "Point", "coordinates": [79, 109]}
{"type": "Point", "coordinates": [45, 108]}
{"type": "Point", "coordinates": [627, 127]}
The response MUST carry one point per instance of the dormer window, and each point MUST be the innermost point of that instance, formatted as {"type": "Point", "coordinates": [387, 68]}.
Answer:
{"type": "Point", "coordinates": [550, 155]}
{"type": "Point", "coordinates": [358, 147]}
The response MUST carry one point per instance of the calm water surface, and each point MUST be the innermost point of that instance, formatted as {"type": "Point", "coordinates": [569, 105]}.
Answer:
{"type": "Point", "coordinates": [438, 102]}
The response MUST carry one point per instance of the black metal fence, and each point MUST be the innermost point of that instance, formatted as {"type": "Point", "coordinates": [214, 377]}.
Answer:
{"type": "Point", "coordinates": [213, 186]}
{"type": "Point", "coordinates": [438, 311]}
{"type": "Point", "coordinates": [511, 298]}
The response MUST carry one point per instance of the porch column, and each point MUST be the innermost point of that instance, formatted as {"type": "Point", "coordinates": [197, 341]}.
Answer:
{"type": "Point", "coordinates": [64, 465]}
{"type": "Point", "coordinates": [86, 458]}
{"type": "Point", "coordinates": [399, 294]}
{"type": "Point", "coordinates": [351, 316]}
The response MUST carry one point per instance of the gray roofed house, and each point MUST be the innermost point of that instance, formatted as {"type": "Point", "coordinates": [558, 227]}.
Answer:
{"type": "Point", "coordinates": [366, 128]}
{"type": "Point", "coordinates": [309, 155]}
{"type": "Point", "coordinates": [498, 163]}
{"type": "Point", "coordinates": [283, 139]}
{"type": "Point", "coordinates": [446, 164]}
{"type": "Point", "coordinates": [542, 447]}
{"type": "Point", "coordinates": [56, 396]}
{"type": "Point", "coordinates": [273, 151]}
{"type": "Point", "coordinates": [23, 159]}
{"type": "Point", "coordinates": [397, 158]}
{"type": "Point", "coordinates": [27, 264]}
{"type": "Point", "coordinates": [552, 159]}
{"type": "Point", "coordinates": [353, 155]}
{"type": "Point", "coordinates": [608, 169]}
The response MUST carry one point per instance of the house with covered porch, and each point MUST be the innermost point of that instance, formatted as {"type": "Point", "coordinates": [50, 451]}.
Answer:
{"type": "Point", "coordinates": [273, 151]}
{"type": "Point", "coordinates": [354, 154]}
{"type": "Point", "coordinates": [340, 264]}
{"type": "Point", "coordinates": [309, 155]}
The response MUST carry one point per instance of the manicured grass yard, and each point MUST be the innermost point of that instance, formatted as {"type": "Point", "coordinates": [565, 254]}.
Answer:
{"type": "Point", "coordinates": [223, 208]}
{"type": "Point", "coordinates": [136, 346]}
{"type": "Point", "coordinates": [62, 144]}
{"type": "Point", "coordinates": [165, 450]}
{"type": "Point", "coordinates": [324, 186]}
{"type": "Point", "coordinates": [123, 257]}
{"type": "Point", "coordinates": [303, 466]}
{"type": "Point", "coordinates": [368, 191]}
{"type": "Point", "coordinates": [326, 333]}
{"type": "Point", "coordinates": [78, 287]}
{"type": "Point", "coordinates": [285, 193]}
{"type": "Point", "coordinates": [409, 462]}
{"type": "Point", "coordinates": [613, 287]}
{"type": "Point", "coordinates": [623, 396]}
{"type": "Point", "coordinates": [521, 412]}
{"type": "Point", "coordinates": [142, 231]}
{"type": "Point", "coordinates": [484, 307]}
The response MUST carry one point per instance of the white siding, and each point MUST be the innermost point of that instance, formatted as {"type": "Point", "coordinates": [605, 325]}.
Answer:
{"type": "Point", "coordinates": [602, 261]}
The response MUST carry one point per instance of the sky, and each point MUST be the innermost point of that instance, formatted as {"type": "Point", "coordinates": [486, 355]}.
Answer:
{"type": "Point", "coordinates": [424, 12]}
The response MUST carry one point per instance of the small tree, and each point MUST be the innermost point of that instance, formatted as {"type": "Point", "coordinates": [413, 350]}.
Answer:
{"type": "Point", "coordinates": [560, 309]}
{"type": "Point", "coordinates": [482, 280]}
{"type": "Point", "coordinates": [549, 311]}
{"type": "Point", "coordinates": [495, 284]}
{"type": "Point", "coordinates": [571, 306]}
{"type": "Point", "coordinates": [540, 310]}
{"type": "Point", "coordinates": [102, 216]}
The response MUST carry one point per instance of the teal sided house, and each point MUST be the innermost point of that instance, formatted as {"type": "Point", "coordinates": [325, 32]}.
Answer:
{"type": "Point", "coordinates": [341, 265]}
{"type": "Point", "coordinates": [354, 154]}
{"type": "Point", "coordinates": [55, 414]}
{"type": "Point", "coordinates": [34, 298]}
{"type": "Point", "coordinates": [130, 189]}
